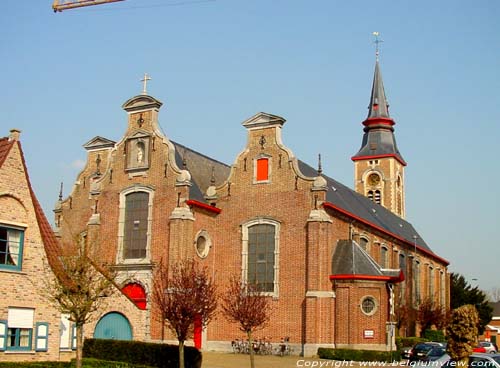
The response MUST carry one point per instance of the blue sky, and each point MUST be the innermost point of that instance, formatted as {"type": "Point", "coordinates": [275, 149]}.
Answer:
{"type": "Point", "coordinates": [216, 63]}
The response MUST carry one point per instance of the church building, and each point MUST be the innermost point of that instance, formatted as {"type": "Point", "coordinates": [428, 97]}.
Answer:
{"type": "Point", "coordinates": [338, 265]}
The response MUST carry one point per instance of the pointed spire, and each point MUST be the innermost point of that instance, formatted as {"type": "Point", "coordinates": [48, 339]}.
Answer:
{"type": "Point", "coordinates": [379, 107]}
{"type": "Point", "coordinates": [61, 192]}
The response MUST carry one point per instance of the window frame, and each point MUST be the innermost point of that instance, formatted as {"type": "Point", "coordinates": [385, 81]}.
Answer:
{"type": "Point", "coordinates": [121, 224]}
{"type": "Point", "coordinates": [245, 252]}
{"type": "Point", "coordinates": [375, 305]}
{"type": "Point", "coordinates": [3, 335]}
{"type": "Point", "coordinates": [256, 171]}
{"type": "Point", "coordinates": [17, 339]}
{"type": "Point", "coordinates": [19, 265]}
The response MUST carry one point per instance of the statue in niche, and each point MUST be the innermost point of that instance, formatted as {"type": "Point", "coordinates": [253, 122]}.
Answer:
{"type": "Point", "coordinates": [140, 153]}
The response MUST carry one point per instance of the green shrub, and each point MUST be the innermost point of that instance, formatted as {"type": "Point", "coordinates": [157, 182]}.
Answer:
{"type": "Point", "coordinates": [433, 335]}
{"type": "Point", "coordinates": [136, 352]}
{"type": "Point", "coordinates": [34, 365]}
{"type": "Point", "coordinates": [359, 355]}
{"type": "Point", "coordinates": [87, 363]}
{"type": "Point", "coordinates": [403, 342]}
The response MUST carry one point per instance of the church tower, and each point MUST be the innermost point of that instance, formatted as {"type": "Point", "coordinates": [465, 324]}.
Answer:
{"type": "Point", "coordinates": [378, 165]}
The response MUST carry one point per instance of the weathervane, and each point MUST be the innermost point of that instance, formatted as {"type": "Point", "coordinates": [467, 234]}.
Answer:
{"type": "Point", "coordinates": [377, 42]}
{"type": "Point", "coordinates": [145, 83]}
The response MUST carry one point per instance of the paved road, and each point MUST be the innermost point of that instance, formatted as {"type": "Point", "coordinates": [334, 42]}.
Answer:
{"type": "Point", "coordinates": [230, 360]}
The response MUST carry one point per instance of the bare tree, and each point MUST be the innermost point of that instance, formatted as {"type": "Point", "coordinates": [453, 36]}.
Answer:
{"type": "Point", "coordinates": [462, 333]}
{"type": "Point", "coordinates": [78, 289]}
{"type": "Point", "coordinates": [184, 294]}
{"type": "Point", "coordinates": [244, 304]}
{"type": "Point", "coordinates": [429, 314]}
{"type": "Point", "coordinates": [494, 294]}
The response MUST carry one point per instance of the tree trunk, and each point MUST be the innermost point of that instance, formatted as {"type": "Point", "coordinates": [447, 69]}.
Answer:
{"type": "Point", "coordinates": [79, 345]}
{"type": "Point", "coordinates": [250, 346]}
{"type": "Point", "coordinates": [181, 354]}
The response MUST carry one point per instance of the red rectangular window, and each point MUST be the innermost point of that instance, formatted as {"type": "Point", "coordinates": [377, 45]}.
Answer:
{"type": "Point", "coordinates": [262, 169]}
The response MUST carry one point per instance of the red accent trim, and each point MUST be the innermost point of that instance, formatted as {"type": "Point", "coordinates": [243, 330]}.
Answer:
{"type": "Point", "coordinates": [357, 218]}
{"type": "Point", "coordinates": [364, 277]}
{"type": "Point", "coordinates": [378, 121]}
{"type": "Point", "coordinates": [358, 158]}
{"type": "Point", "coordinates": [204, 206]}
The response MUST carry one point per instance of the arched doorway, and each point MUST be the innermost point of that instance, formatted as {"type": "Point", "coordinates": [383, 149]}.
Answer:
{"type": "Point", "coordinates": [113, 326]}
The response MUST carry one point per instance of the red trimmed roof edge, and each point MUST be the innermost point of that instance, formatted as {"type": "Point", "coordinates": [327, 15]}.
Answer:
{"type": "Point", "coordinates": [395, 279]}
{"type": "Point", "coordinates": [192, 202]}
{"type": "Point", "coordinates": [425, 251]}
{"type": "Point", "coordinates": [401, 161]}
{"type": "Point", "coordinates": [50, 242]}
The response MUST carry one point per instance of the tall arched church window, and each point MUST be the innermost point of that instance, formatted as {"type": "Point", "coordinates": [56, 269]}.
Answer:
{"type": "Point", "coordinates": [402, 266]}
{"type": "Point", "coordinates": [431, 282]}
{"type": "Point", "coordinates": [383, 256]}
{"type": "Point", "coordinates": [260, 254]}
{"type": "Point", "coordinates": [416, 284]}
{"type": "Point", "coordinates": [134, 224]}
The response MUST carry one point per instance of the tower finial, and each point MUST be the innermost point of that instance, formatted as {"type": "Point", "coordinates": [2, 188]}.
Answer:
{"type": "Point", "coordinates": [377, 43]}
{"type": "Point", "coordinates": [145, 83]}
{"type": "Point", "coordinates": [61, 192]}
{"type": "Point", "coordinates": [212, 179]}
{"type": "Point", "coordinates": [320, 169]}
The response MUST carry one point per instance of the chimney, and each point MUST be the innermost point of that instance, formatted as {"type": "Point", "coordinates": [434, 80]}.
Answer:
{"type": "Point", "coordinates": [14, 134]}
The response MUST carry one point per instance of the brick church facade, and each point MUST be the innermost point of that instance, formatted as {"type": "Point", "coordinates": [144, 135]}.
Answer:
{"type": "Point", "coordinates": [337, 264]}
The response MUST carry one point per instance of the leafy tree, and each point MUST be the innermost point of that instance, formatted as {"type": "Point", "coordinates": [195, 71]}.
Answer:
{"type": "Point", "coordinates": [183, 295]}
{"type": "Point", "coordinates": [246, 305]}
{"type": "Point", "coordinates": [78, 289]}
{"type": "Point", "coordinates": [462, 333]}
{"type": "Point", "coordinates": [461, 293]}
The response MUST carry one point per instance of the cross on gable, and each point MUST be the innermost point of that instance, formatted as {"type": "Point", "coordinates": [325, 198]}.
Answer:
{"type": "Point", "coordinates": [145, 83]}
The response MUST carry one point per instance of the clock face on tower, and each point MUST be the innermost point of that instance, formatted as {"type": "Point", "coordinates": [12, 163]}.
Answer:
{"type": "Point", "coordinates": [373, 179]}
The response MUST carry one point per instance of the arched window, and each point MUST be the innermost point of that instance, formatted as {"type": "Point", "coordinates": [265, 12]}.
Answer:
{"type": "Point", "coordinates": [383, 256]}
{"type": "Point", "coordinates": [260, 254]}
{"type": "Point", "coordinates": [135, 236]}
{"type": "Point", "coordinates": [431, 282]}
{"type": "Point", "coordinates": [402, 266]}
{"type": "Point", "coordinates": [134, 224]}
{"type": "Point", "coordinates": [363, 242]}
{"type": "Point", "coordinates": [416, 284]}
{"type": "Point", "coordinates": [137, 293]}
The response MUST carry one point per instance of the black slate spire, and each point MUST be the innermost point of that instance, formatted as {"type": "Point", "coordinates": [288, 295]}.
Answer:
{"type": "Point", "coordinates": [378, 138]}
{"type": "Point", "coordinates": [379, 107]}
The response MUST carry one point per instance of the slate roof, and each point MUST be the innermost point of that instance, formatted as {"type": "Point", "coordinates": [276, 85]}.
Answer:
{"type": "Point", "coordinates": [200, 168]}
{"type": "Point", "coordinates": [350, 259]}
{"type": "Point", "coordinates": [361, 207]}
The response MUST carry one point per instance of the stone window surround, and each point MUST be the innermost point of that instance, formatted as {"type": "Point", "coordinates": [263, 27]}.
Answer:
{"type": "Point", "coordinates": [375, 305]}
{"type": "Point", "coordinates": [121, 224]}
{"type": "Point", "coordinates": [269, 172]}
{"type": "Point", "coordinates": [208, 243]}
{"type": "Point", "coordinates": [244, 251]}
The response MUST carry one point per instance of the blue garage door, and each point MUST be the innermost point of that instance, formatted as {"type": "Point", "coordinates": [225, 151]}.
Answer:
{"type": "Point", "coordinates": [113, 326]}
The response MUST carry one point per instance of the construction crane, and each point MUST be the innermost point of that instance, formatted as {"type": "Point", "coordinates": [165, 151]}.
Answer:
{"type": "Point", "coordinates": [71, 4]}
